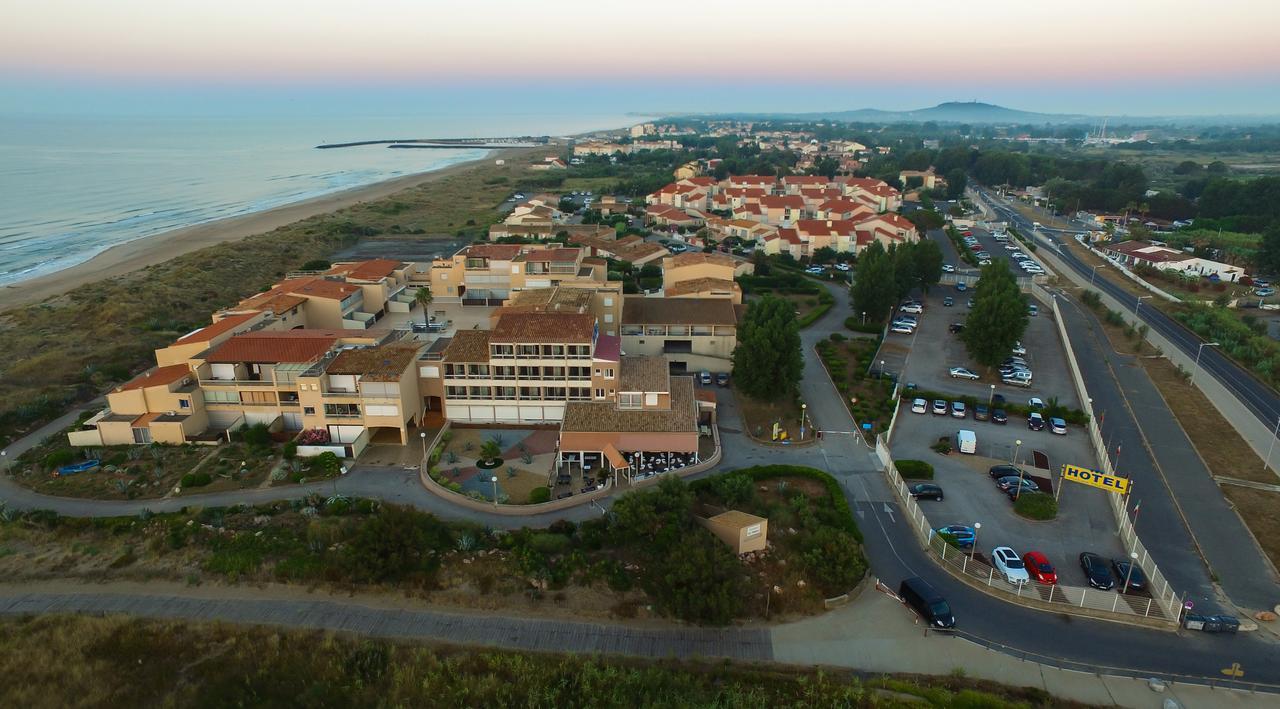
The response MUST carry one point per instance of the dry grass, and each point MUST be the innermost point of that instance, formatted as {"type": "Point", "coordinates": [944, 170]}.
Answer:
{"type": "Point", "coordinates": [70, 348]}
{"type": "Point", "coordinates": [1260, 510]}
{"type": "Point", "coordinates": [759, 416]}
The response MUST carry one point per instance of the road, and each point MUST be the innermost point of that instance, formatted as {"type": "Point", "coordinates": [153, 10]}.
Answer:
{"type": "Point", "coordinates": [1258, 396]}
{"type": "Point", "coordinates": [891, 549]}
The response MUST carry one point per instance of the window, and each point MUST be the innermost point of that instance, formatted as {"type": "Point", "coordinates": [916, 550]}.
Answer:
{"type": "Point", "coordinates": [608, 317]}
{"type": "Point", "coordinates": [608, 302]}
{"type": "Point", "coordinates": [308, 411]}
{"type": "Point", "coordinates": [506, 351]}
{"type": "Point", "coordinates": [632, 330]}
{"type": "Point", "coordinates": [455, 392]}
{"type": "Point", "coordinates": [184, 403]}
{"type": "Point", "coordinates": [479, 392]}
{"type": "Point", "coordinates": [753, 531]}
{"type": "Point", "coordinates": [529, 350]}
{"type": "Point", "coordinates": [629, 400]}
{"type": "Point", "coordinates": [531, 393]}
{"type": "Point", "coordinates": [599, 393]}
{"type": "Point", "coordinates": [348, 411]}
{"type": "Point", "coordinates": [651, 399]}
{"type": "Point", "coordinates": [608, 373]}
{"type": "Point", "coordinates": [504, 392]}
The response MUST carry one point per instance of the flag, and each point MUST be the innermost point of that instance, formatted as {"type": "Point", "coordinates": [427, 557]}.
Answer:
{"type": "Point", "coordinates": [1137, 506]}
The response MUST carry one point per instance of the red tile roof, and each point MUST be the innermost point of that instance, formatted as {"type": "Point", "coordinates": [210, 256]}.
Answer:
{"type": "Point", "coordinates": [496, 252]}
{"type": "Point", "coordinates": [208, 332]}
{"type": "Point", "coordinates": [558, 254]}
{"type": "Point", "coordinates": [694, 258]}
{"type": "Point", "coordinates": [294, 346]}
{"type": "Point", "coordinates": [831, 227]}
{"type": "Point", "coordinates": [790, 201]}
{"type": "Point", "coordinates": [544, 327]}
{"type": "Point", "coordinates": [161, 376]}
{"type": "Point", "coordinates": [371, 270]}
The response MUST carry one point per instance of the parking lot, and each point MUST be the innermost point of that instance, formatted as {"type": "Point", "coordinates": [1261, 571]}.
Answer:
{"type": "Point", "coordinates": [1084, 522]}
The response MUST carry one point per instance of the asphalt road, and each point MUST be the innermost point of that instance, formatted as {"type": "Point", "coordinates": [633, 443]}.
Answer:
{"type": "Point", "coordinates": [1258, 396]}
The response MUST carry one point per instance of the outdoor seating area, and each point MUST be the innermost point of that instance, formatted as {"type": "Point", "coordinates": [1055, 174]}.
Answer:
{"type": "Point", "coordinates": [644, 465]}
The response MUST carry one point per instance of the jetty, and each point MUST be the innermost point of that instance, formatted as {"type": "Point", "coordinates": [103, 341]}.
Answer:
{"type": "Point", "coordinates": [523, 141]}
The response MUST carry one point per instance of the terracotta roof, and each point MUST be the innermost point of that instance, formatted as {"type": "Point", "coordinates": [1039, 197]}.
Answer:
{"type": "Point", "coordinates": [793, 201]}
{"type": "Point", "coordinates": [753, 179]}
{"type": "Point", "coordinates": [559, 254]}
{"type": "Point", "coordinates": [698, 258]}
{"type": "Point", "coordinates": [375, 364]}
{"type": "Point", "coordinates": [639, 310]}
{"type": "Point", "coordinates": [318, 288]}
{"type": "Point", "coordinates": [295, 346]}
{"type": "Point", "coordinates": [830, 227]}
{"type": "Point", "coordinates": [371, 270]}
{"type": "Point", "coordinates": [160, 376]}
{"type": "Point", "coordinates": [700, 285]}
{"type": "Point", "coordinates": [544, 327]}
{"type": "Point", "coordinates": [644, 374]}
{"type": "Point", "coordinates": [707, 395]}
{"type": "Point", "coordinates": [606, 417]}
{"type": "Point", "coordinates": [608, 348]}
{"type": "Point", "coordinates": [559, 298]}
{"type": "Point", "coordinates": [468, 346]}
{"type": "Point", "coordinates": [805, 180]}
{"type": "Point", "coordinates": [276, 303]}
{"type": "Point", "coordinates": [225, 325]}
{"type": "Point", "coordinates": [496, 252]}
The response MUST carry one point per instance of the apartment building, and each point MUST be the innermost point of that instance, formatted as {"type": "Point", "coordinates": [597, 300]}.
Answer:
{"type": "Point", "coordinates": [361, 394]}
{"type": "Point", "coordinates": [692, 333]}
{"type": "Point", "coordinates": [696, 274]}
{"type": "Point", "coordinates": [487, 274]}
{"type": "Point", "coordinates": [603, 302]}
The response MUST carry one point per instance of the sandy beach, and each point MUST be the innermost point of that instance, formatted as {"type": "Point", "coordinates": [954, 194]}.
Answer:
{"type": "Point", "coordinates": [147, 251]}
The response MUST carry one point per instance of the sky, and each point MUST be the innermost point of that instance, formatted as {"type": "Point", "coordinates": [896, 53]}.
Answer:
{"type": "Point", "coordinates": [1113, 57]}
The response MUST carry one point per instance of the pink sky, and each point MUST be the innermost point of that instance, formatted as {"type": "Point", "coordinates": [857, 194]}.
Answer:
{"type": "Point", "coordinates": [321, 40]}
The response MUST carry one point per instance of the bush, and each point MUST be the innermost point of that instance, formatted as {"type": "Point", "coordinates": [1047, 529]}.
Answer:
{"type": "Point", "coordinates": [855, 323]}
{"type": "Point", "coordinates": [943, 447]}
{"type": "Point", "coordinates": [196, 480]}
{"type": "Point", "coordinates": [1036, 505]}
{"type": "Point", "coordinates": [833, 559]}
{"type": "Point", "coordinates": [290, 450]}
{"type": "Point", "coordinates": [539, 495]}
{"type": "Point", "coordinates": [914, 469]}
{"type": "Point", "coordinates": [59, 458]}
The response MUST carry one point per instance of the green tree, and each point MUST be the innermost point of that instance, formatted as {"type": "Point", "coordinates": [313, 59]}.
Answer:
{"type": "Point", "coordinates": [874, 291]}
{"type": "Point", "coordinates": [826, 254]}
{"type": "Point", "coordinates": [998, 317]}
{"type": "Point", "coordinates": [1267, 258]}
{"type": "Point", "coordinates": [490, 450]}
{"type": "Point", "coordinates": [928, 256]}
{"type": "Point", "coordinates": [956, 182]}
{"type": "Point", "coordinates": [398, 544]}
{"type": "Point", "coordinates": [926, 220]}
{"type": "Point", "coordinates": [424, 297]}
{"type": "Point", "coordinates": [904, 269]}
{"type": "Point", "coordinates": [767, 362]}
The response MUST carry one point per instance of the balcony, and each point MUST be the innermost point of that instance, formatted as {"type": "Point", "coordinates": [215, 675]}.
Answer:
{"type": "Point", "coordinates": [340, 394]}
{"type": "Point", "coordinates": [237, 383]}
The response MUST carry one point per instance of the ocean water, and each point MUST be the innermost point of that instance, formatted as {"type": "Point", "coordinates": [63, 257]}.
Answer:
{"type": "Point", "coordinates": [71, 187]}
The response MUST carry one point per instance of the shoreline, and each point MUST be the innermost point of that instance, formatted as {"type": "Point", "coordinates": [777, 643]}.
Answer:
{"type": "Point", "coordinates": [150, 250]}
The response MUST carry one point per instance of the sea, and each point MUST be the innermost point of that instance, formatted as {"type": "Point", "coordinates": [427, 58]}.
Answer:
{"type": "Point", "coordinates": [74, 186]}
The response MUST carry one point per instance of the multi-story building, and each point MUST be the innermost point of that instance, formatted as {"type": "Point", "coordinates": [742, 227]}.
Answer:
{"type": "Point", "coordinates": [487, 274]}
{"type": "Point", "coordinates": [693, 333]}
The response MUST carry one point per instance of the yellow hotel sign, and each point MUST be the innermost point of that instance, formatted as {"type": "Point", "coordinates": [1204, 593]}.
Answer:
{"type": "Point", "coordinates": [1093, 478]}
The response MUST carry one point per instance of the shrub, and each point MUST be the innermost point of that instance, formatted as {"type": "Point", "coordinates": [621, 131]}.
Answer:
{"type": "Point", "coordinates": [539, 495]}
{"type": "Point", "coordinates": [943, 446]}
{"type": "Point", "coordinates": [290, 450]}
{"type": "Point", "coordinates": [833, 559]}
{"type": "Point", "coordinates": [196, 480]}
{"type": "Point", "coordinates": [59, 458]}
{"type": "Point", "coordinates": [1036, 505]}
{"type": "Point", "coordinates": [914, 469]}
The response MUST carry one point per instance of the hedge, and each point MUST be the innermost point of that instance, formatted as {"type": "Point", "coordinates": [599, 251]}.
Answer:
{"type": "Point", "coordinates": [1072, 416]}
{"type": "Point", "coordinates": [768, 472]}
{"type": "Point", "coordinates": [195, 480]}
{"type": "Point", "coordinates": [914, 469]}
{"type": "Point", "coordinates": [1036, 505]}
{"type": "Point", "coordinates": [855, 323]}
{"type": "Point", "coordinates": [539, 495]}
{"type": "Point", "coordinates": [1031, 246]}
{"type": "Point", "coordinates": [825, 301]}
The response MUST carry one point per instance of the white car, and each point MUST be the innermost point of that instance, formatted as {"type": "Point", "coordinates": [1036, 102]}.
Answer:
{"type": "Point", "coordinates": [919, 406]}
{"type": "Point", "coordinates": [962, 373]}
{"type": "Point", "coordinates": [1010, 565]}
{"type": "Point", "coordinates": [843, 266]}
{"type": "Point", "coordinates": [912, 308]}
{"type": "Point", "coordinates": [1019, 350]}
{"type": "Point", "coordinates": [948, 268]}
{"type": "Point", "coordinates": [1035, 403]}
{"type": "Point", "coordinates": [814, 270]}
{"type": "Point", "coordinates": [902, 329]}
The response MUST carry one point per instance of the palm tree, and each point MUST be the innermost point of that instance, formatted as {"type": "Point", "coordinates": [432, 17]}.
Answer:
{"type": "Point", "coordinates": [424, 297]}
{"type": "Point", "coordinates": [490, 450]}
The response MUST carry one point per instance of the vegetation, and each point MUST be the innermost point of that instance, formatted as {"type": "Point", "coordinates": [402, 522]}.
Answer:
{"type": "Point", "coordinates": [1036, 505]}
{"type": "Point", "coordinates": [1052, 405]}
{"type": "Point", "coordinates": [79, 660]}
{"type": "Point", "coordinates": [825, 303]}
{"type": "Point", "coordinates": [847, 363]}
{"type": "Point", "coordinates": [767, 362]}
{"type": "Point", "coordinates": [998, 317]}
{"type": "Point", "coordinates": [914, 469]}
{"type": "Point", "coordinates": [1243, 338]}
{"type": "Point", "coordinates": [883, 277]}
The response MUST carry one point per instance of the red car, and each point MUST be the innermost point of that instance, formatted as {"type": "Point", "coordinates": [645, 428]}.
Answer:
{"type": "Point", "coordinates": [968, 233]}
{"type": "Point", "coordinates": [1040, 568]}
{"type": "Point", "coordinates": [976, 247]}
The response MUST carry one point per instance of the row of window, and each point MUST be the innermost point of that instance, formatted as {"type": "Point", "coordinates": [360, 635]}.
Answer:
{"type": "Point", "coordinates": [484, 371]}
{"type": "Point", "coordinates": [522, 393]}
{"type": "Point", "coordinates": [540, 351]}
{"type": "Point", "coordinates": [673, 330]}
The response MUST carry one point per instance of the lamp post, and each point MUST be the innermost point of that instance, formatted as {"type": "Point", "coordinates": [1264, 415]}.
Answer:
{"type": "Point", "coordinates": [974, 549]}
{"type": "Point", "coordinates": [882, 369]}
{"type": "Point", "coordinates": [494, 480]}
{"type": "Point", "coordinates": [1196, 367]}
{"type": "Point", "coordinates": [1094, 273]}
{"type": "Point", "coordinates": [1133, 560]}
{"type": "Point", "coordinates": [864, 317]}
{"type": "Point", "coordinates": [1017, 449]}
{"type": "Point", "coordinates": [992, 396]}
{"type": "Point", "coordinates": [1138, 304]}
{"type": "Point", "coordinates": [1267, 463]}
{"type": "Point", "coordinates": [423, 436]}
{"type": "Point", "coordinates": [803, 410]}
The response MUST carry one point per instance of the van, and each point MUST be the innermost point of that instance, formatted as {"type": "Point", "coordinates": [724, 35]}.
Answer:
{"type": "Point", "coordinates": [926, 602]}
{"type": "Point", "coordinates": [1021, 378]}
{"type": "Point", "coordinates": [967, 442]}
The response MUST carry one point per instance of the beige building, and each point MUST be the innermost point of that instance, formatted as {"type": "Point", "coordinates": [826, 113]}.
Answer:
{"type": "Point", "coordinates": [693, 333]}
{"type": "Point", "coordinates": [487, 274]}
{"type": "Point", "coordinates": [359, 395]}
{"type": "Point", "coordinates": [744, 533]}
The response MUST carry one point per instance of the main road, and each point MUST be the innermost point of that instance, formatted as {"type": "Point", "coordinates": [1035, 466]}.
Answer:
{"type": "Point", "coordinates": [1068, 641]}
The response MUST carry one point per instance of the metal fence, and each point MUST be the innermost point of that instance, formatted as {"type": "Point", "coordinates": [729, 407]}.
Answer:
{"type": "Point", "coordinates": [1163, 606]}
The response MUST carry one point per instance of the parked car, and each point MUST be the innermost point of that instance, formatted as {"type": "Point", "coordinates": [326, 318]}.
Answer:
{"type": "Point", "coordinates": [1035, 403]}
{"type": "Point", "coordinates": [843, 266]}
{"type": "Point", "coordinates": [918, 595]}
{"type": "Point", "coordinates": [1004, 470]}
{"type": "Point", "coordinates": [962, 288]}
{"type": "Point", "coordinates": [1013, 482]}
{"type": "Point", "coordinates": [940, 407]}
{"type": "Point", "coordinates": [964, 536]}
{"type": "Point", "coordinates": [998, 416]}
{"type": "Point", "coordinates": [968, 303]}
{"type": "Point", "coordinates": [1039, 567]}
{"type": "Point", "coordinates": [1019, 350]}
{"type": "Point", "coordinates": [1096, 572]}
{"type": "Point", "coordinates": [958, 410]}
{"type": "Point", "coordinates": [705, 378]}
{"type": "Point", "coordinates": [1017, 379]}
{"type": "Point", "coordinates": [1058, 426]}
{"type": "Point", "coordinates": [1032, 310]}
{"type": "Point", "coordinates": [902, 329]}
{"type": "Point", "coordinates": [1009, 565]}
{"type": "Point", "coordinates": [722, 379]}
{"type": "Point", "coordinates": [948, 268]}
{"type": "Point", "coordinates": [814, 270]}
{"type": "Point", "coordinates": [981, 412]}
{"type": "Point", "coordinates": [1264, 292]}
{"type": "Point", "coordinates": [919, 406]}
{"type": "Point", "coordinates": [956, 327]}
{"type": "Point", "coordinates": [911, 307]}
{"type": "Point", "coordinates": [963, 373]}
{"type": "Point", "coordinates": [948, 301]}
{"type": "Point", "coordinates": [926, 491]}
{"type": "Point", "coordinates": [1035, 421]}
{"type": "Point", "coordinates": [1128, 571]}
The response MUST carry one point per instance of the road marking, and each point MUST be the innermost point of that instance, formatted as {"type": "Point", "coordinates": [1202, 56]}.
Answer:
{"type": "Point", "coordinates": [1234, 670]}
{"type": "Point", "coordinates": [889, 511]}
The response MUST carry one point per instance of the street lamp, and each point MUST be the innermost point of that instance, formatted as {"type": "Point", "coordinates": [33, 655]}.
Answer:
{"type": "Point", "coordinates": [1094, 273]}
{"type": "Point", "coordinates": [882, 369]}
{"type": "Point", "coordinates": [992, 396]}
{"type": "Point", "coordinates": [1267, 463]}
{"type": "Point", "coordinates": [803, 409]}
{"type": "Point", "coordinates": [1133, 561]}
{"type": "Point", "coordinates": [1195, 367]}
{"type": "Point", "coordinates": [1017, 448]}
{"type": "Point", "coordinates": [974, 549]}
{"type": "Point", "coordinates": [864, 317]}
{"type": "Point", "coordinates": [494, 480]}
{"type": "Point", "coordinates": [1138, 304]}
{"type": "Point", "coordinates": [423, 436]}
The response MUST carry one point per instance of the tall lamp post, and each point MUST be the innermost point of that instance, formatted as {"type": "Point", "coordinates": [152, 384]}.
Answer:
{"type": "Point", "coordinates": [992, 396]}
{"type": "Point", "coordinates": [1196, 367]}
{"type": "Point", "coordinates": [1017, 448]}
{"type": "Point", "coordinates": [1094, 273]}
{"type": "Point", "coordinates": [1133, 561]}
{"type": "Point", "coordinates": [974, 549]}
{"type": "Point", "coordinates": [494, 480]}
{"type": "Point", "coordinates": [1138, 304]}
{"type": "Point", "coordinates": [423, 435]}
{"type": "Point", "coordinates": [1274, 434]}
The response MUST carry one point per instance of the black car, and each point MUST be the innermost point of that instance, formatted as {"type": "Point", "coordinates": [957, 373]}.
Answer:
{"type": "Point", "coordinates": [999, 416]}
{"type": "Point", "coordinates": [947, 301]}
{"type": "Point", "coordinates": [926, 491]}
{"type": "Point", "coordinates": [956, 327]}
{"type": "Point", "coordinates": [1128, 571]}
{"type": "Point", "coordinates": [981, 412]}
{"type": "Point", "coordinates": [722, 379]}
{"type": "Point", "coordinates": [1010, 482]}
{"type": "Point", "coordinates": [1005, 470]}
{"type": "Point", "coordinates": [1095, 570]}
{"type": "Point", "coordinates": [1035, 422]}
{"type": "Point", "coordinates": [925, 601]}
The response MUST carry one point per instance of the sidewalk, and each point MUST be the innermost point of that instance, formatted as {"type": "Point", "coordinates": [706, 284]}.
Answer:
{"type": "Point", "coordinates": [876, 634]}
